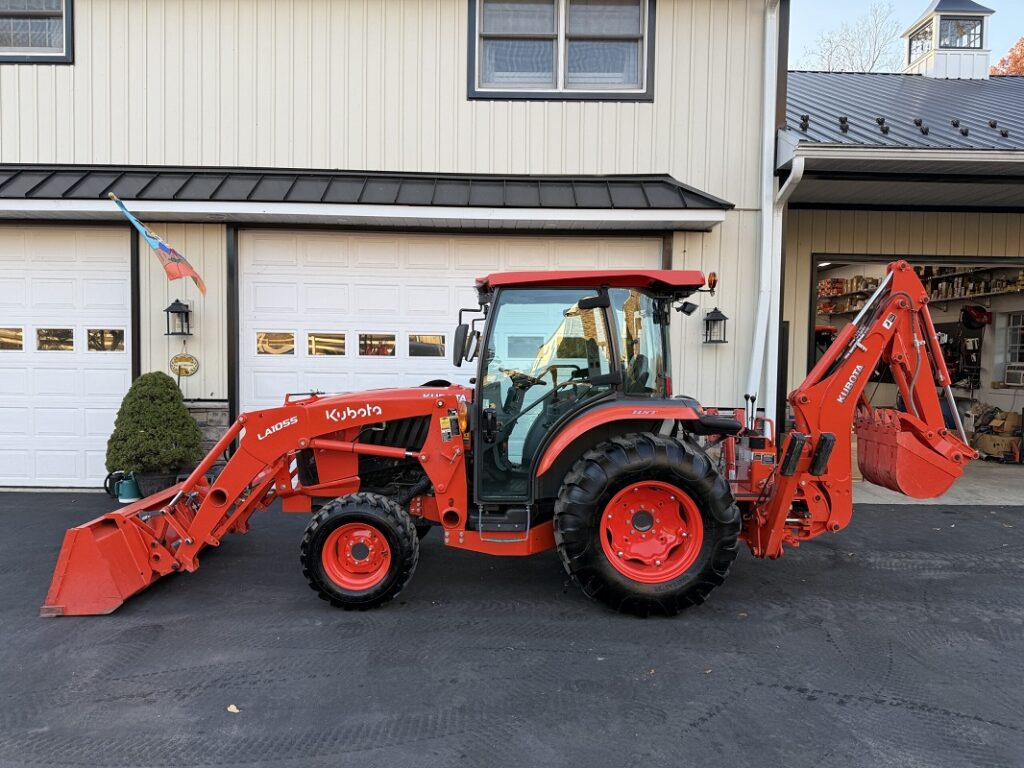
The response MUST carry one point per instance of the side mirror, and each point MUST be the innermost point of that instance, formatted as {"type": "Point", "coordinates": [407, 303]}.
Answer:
{"type": "Point", "coordinates": [472, 345]}
{"type": "Point", "coordinates": [459, 344]}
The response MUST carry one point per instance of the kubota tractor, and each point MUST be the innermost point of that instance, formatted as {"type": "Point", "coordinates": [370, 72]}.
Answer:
{"type": "Point", "coordinates": [570, 437]}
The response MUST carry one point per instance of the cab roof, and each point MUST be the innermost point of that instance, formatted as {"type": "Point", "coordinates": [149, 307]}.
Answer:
{"type": "Point", "coordinates": [670, 280]}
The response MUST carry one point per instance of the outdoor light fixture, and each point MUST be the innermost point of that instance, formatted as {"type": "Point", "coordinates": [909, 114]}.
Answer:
{"type": "Point", "coordinates": [178, 319]}
{"type": "Point", "coordinates": [714, 327]}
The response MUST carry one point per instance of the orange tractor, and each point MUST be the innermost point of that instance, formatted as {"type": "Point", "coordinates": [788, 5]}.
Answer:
{"type": "Point", "coordinates": [570, 437]}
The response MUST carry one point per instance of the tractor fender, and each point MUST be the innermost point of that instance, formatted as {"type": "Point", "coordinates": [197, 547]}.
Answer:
{"type": "Point", "coordinates": [640, 411]}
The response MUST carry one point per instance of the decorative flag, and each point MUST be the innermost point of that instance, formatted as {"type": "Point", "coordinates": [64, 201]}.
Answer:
{"type": "Point", "coordinates": [175, 265]}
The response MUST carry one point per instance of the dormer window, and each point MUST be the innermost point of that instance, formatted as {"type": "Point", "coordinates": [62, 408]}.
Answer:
{"type": "Point", "coordinates": [957, 32]}
{"type": "Point", "coordinates": [920, 42]}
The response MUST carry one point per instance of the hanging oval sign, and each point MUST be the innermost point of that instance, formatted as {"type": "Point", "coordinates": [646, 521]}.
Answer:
{"type": "Point", "coordinates": [184, 364]}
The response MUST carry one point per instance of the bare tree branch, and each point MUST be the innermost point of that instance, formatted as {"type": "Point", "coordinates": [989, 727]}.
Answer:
{"type": "Point", "coordinates": [870, 43]}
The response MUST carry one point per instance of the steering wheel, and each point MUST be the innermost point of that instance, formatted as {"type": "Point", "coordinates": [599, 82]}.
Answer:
{"type": "Point", "coordinates": [519, 378]}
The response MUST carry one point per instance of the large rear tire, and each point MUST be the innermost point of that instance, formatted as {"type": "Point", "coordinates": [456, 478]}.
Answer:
{"type": "Point", "coordinates": [646, 525]}
{"type": "Point", "coordinates": [359, 551]}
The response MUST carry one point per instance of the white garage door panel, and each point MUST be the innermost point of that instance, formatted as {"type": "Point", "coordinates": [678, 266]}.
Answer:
{"type": "Point", "coordinates": [59, 406]}
{"type": "Point", "coordinates": [398, 286]}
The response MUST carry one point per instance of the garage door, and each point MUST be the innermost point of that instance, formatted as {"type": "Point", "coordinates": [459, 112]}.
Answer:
{"type": "Point", "coordinates": [344, 312]}
{"type": "Point", "coordinates": [65, 321]}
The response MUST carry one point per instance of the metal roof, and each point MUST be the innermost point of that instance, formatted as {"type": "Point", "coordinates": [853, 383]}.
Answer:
{"type": "Point", "coordinates": [909, 111]}
{"type": "Point", "coordinates": [657, 191]}
{"type": "Point", "coordinates": [950, 6]}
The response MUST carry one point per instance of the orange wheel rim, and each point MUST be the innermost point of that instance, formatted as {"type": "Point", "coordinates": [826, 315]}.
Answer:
{"type": "Point", "coordinates": [651, 532]}
{"type": "Point", "coordinates": [356, 556]}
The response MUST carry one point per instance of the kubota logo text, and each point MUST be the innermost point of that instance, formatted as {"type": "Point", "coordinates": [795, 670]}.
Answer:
{"type": "Point", "coordinates": [280, 425]}
{"type": "Point", "coordinates": [343, 414]}
{"type": "Point", "coordinates": [848, 386]}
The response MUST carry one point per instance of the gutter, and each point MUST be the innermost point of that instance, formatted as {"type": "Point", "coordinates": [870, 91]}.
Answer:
{"type": "Point", "coordinates": [699, 219]}
{"type": "Point", "coordinates": [819, 151]}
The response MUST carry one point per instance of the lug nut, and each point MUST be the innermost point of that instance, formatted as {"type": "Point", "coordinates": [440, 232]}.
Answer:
{"type": "Point", "coordinates": [620, 554]}
{"type": "Point", "coordinates": [657, 562]}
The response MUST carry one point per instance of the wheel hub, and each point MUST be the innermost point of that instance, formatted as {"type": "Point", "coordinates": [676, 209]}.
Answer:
{"type": "Point", "coordinates": [642, 520]}
{"type": "Point", "coordinates": [651, 531]}
{"type": "Point", "coordinates": [356, 556]}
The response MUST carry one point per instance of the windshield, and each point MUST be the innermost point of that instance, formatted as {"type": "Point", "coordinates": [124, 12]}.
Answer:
{"type": "Point", "coordinates": [640, 323]}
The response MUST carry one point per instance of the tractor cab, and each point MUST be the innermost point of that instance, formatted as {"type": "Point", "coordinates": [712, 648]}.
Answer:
{"type": "Point", "coordinates": [556, 344]}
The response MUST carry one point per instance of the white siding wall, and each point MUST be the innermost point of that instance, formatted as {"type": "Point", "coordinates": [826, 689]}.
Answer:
{"type": "Point", "coordinates": [902, 233]}
{"type": "Point", "coordinates": [716, 374]}
{"type": "Point", "coordinates": [377, 85]}
{"type": "Point", "coordinates": [204, 247]}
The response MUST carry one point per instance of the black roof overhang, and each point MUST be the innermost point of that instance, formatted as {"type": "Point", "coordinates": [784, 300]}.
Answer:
{"type": "Point", "coordinates": [247, 193]}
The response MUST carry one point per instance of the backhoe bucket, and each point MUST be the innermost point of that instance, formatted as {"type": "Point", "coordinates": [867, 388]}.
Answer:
{"type": "Point", "coordinates": [893, 453]}
{"type": "Point", "coordinates": [107, 560]}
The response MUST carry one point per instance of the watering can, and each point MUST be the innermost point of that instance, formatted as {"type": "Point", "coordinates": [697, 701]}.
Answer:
{"type": "Point", "coordinates": [127, 489]}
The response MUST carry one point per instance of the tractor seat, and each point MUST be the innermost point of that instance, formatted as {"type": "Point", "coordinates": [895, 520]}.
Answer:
{"type": "Point", "coordinates": [707, 424]}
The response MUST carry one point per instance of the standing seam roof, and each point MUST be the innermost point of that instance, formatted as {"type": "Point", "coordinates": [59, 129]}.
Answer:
{"type": "Point", "coordinates": [984, 108]}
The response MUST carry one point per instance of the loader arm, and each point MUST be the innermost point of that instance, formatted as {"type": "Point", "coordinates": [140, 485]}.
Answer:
{"type": "Point", "coordinates": [911, 452]}
{"type": "Point", "coordinates": [105, 561]}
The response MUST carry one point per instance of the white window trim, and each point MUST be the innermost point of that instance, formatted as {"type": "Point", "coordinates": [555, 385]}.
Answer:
{"type": "Point", "coordinates": [24, 336]}
{"type": "Point", "coordinates": [444, 344]}
{"type": "Point", "coordinates": [1018, 345]}
{"type": "Point", "coordinates": [107, 351]}
{"type": "Point", "coordinates": [961, 17]}
{"type": "Point", "coordinates": [75, 336]}
{"type": "Point", "coordinates": [560, 92]}
{"type": "Point", "coordinates": [359, 334]}
{"type": "Point", "coordinates": [910, 42]}
{"type": "Point", "coordinates": [256, 342]}
{"type": "Point", "coordinates": [324, 331]}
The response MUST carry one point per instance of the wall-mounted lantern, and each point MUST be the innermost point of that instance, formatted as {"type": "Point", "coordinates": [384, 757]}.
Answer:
{"type": "Point", "coordinates": [178, 319]}
{"type": "Point", "coordinates": [714, 327]}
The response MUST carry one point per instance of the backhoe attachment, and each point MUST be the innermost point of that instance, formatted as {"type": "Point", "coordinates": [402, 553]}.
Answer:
{"type": "Point", "coordinates": [910, 451]}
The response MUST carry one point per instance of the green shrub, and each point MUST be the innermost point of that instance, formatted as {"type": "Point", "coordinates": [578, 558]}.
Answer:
{"type": "Point", "coordinates": [153, 431]}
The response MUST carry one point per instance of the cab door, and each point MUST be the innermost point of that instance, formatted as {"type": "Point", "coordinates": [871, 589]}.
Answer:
{"type": "Point", "coordinates": [548, 353]}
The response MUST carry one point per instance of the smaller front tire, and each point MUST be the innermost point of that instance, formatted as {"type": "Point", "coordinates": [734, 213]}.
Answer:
{"type": "Point", "coordinates": [359, 551]}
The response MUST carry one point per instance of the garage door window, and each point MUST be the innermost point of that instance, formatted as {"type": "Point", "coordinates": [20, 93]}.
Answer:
{"type": "Point", "coordinates": [322, 344]}
{"type": "Point", "coordinates": [377, 344]}
{"type": "Point", "coordinates": [426, 345]}
{"type": "Point", "coordinates": [106, 339]}
{"type": "Point", "coordinates": [12, 339]}
{"type": "Point", "coordinates": [55, 339]}
{"type": "Point", "coordinates": [275, 343]}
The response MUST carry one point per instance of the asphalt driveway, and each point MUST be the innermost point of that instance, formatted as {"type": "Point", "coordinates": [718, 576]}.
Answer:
{"type": "Point", "coordinates": [899, 642]}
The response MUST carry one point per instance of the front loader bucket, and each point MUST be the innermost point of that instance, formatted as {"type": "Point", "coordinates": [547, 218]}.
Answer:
{"type": "Point", "coordinates": [894, 453]}
{"type": "Point", "coordinates": [107, 560]}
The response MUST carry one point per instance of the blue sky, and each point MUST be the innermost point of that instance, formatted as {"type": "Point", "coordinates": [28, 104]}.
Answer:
{"type": "Point", "coordinates": [808, 18]}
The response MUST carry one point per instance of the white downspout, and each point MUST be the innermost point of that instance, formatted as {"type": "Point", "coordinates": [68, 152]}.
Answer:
{"type": "Point", "coordinates": [764, 283]}
{"type": "Point", "coordinates": [771, 384]}
{"type": "Point", "coordinates": [768, 269]}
